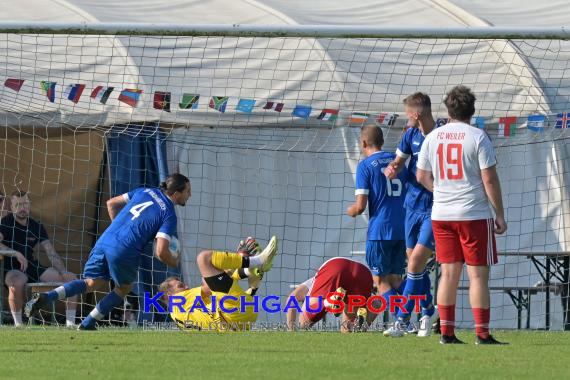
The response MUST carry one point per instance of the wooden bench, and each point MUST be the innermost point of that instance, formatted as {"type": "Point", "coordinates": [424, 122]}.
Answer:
{"type": "Point", "coordinates": [41, 287]}
{"type": "Point", "coordinates": [520, 295]}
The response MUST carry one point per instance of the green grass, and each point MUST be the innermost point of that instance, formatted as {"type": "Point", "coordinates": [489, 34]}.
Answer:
{"type": "Point", "coordinates": [38, 353]}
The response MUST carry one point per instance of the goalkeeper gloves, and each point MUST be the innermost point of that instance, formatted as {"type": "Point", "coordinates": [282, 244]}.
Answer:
{"type": "Point", "coordinates": [249, 247]}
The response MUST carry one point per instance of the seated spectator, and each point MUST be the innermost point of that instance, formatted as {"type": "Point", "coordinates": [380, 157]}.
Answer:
{"type": "Point", "coordinates": [21, 234]}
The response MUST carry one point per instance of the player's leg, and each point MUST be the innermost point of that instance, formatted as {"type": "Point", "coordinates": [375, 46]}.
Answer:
{"type": "Point", "coordinates": [52, 275]}
{"type": "Point", "coordinates": [427, 241]}
{"type": "Point", "coordinates": [96, 273]}
{"type": "Point", "coordinates": [379, 261]}
{"type": "Point", "coordinates": [123, 271]}
{"type": "Point", "coordinates": [212, 263]}
{"type": "Point", "coordinates": [396, 249]}
{"type": "Point", "coordinates": [480, 253]}
{"type": "Point", "coordinates": [450, 256]}
{"type": "Point", "coordinates": [421, 252]}
{"type": "Point", "coordinates": [16, 281]}
{"type": "Point", "coordinates": [113, 299]}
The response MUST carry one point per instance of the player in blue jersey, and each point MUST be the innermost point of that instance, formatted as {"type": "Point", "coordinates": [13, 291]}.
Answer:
{"type": "Point", "coordinates": [138, 217]}
{"type": "Point", "coordinates": [420, 242]}
{"type": "Point", "coordinates": [385, 246]}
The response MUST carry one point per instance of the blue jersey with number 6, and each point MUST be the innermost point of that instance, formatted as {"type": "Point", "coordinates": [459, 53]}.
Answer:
{"type": "Point", "coordinates": [385, 197]}
{"type": "Point", "coordinates": [149, 213]}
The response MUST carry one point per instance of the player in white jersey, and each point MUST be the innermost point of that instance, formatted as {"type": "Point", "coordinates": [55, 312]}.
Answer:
{"type": "Point", "coordinates": [457, 162]}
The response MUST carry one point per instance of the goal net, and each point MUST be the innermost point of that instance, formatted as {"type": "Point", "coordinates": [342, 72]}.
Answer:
{"type": "Point", "coordinates": [265, 124]}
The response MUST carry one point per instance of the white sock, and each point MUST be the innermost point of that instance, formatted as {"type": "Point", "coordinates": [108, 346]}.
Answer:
{"type": "Point", "coordinates": [70, 317]}
{"type": "Point", "coordinates": [17, 315]}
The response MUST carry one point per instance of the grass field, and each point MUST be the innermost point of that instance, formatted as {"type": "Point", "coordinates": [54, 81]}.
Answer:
{"type": "Point", "coordinates": [38, 353]}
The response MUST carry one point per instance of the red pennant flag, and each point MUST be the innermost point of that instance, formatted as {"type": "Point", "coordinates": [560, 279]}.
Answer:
{"type": "Point", "coordinates": [14, 84]}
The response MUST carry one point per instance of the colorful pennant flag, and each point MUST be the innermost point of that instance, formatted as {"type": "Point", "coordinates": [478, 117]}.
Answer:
{"type": "Point", "coordinates": [562, 120]}
{"type": "Point", "coordinates": [245, 105]}
{"type": "Point", "coordinates": [441, 121]}
{"type": "Point", "coordinates": [386, 119]}
{"type": "Point", "coordinates": [161, 101]}
{"type": "Point", "coordinates": [302, 111]}
{"type": "Point", "coordinates": [14, 84]}
{"type": "Point", "coordinates": [219, 103]}
{"type": "Point", "coordinates": [358, 118]}
{"type": "Point", "coordinates": [101, 94]}
{"type": "Point", "coordinates": [73, 92]}
{"type": "Point", "coordinates": [507, 126]}
{"type": "Point", "coordinates": [130, 96]}
{"type": "Point", "coordinates": [328, 114]}
{"type": "Point", "coordinates": [277, 107]}
{"type": "Point", "coordinates": [536, 123]}
{"type": "Point", "coordinates": [189, 101]}
{"type": "Point", "coordinates": [478, 121]}
{"type": "Point", "coordinates": [49, 90]}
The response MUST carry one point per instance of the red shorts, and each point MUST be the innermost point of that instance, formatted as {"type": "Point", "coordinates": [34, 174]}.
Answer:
{"type": "Point", "coordinates": [469, 241]}
{"type": "Point", "coordinates": [336, 273]}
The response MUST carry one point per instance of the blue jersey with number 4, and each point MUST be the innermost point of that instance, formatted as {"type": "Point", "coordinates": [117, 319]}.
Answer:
{"type": "Point", "coordinates": [418, 199]}
{"type": "Point", "coordinates": [385, 197]}
{"type": "Point", "coordinates": [149, 213]}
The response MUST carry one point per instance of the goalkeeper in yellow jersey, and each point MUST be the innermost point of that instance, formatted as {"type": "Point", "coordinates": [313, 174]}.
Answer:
{"type": "Point", "coordinates": [202, 307]}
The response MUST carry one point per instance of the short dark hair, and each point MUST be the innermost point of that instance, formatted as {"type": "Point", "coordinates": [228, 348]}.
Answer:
{"type": "Point", "coordinates": [373, 135]}
{"type": "Point", "coordinates": [418, 100]}
{"type": "Point", "coordinates": [173, 183]}
{"type": "Point", "coordinates": [19, 193]}
{"type": "Point", "coordinates": [460, 103]}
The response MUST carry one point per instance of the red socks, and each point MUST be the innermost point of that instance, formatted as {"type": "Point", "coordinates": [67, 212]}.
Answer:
{"type": "Point", "coordinates": [447, 319]}
{"type": "Point", "coordinates": [482, 318]}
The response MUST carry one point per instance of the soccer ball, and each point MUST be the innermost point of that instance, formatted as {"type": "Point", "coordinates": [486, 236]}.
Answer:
{"type": "Point", "coordinates": [174, 247]}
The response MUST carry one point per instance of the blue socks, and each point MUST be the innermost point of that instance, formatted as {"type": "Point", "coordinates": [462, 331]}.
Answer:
{"type": "Point", "coordinates": [427, 305]}
{"type": "Point", "coordinates": [103, 308]}
{"type": "Point", "coordinates": [391, 292]}
{"type": "Point", "coordinates": [414, 286]}
{"type": "Point", "coordinates": [68, 289]}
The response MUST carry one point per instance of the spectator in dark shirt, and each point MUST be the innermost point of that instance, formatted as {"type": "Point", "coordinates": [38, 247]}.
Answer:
{"type": "Point", "coordinates": [20, 234]}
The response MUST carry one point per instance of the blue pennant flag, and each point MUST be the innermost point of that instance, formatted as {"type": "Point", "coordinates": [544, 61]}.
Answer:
{"type": "Point", "coordinates": [245, 105]}
{"type": "Point", "coordinates": [302, 111]}
{"type": "Point", "coordinates": [536, 123]}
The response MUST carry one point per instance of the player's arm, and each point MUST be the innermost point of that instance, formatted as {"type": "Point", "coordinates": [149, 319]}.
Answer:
{"type": "Point", "coordinates": [403, 152]}
{"type": "Point", "coordinates": [493, 189]}
{"type": "Point", "coordinates": [395, 167]}
{"type": "Point", "coordinates": [53, 257]}
{"type": "Point", "coordinates": [299, 293]}
{"type": "Point", "coordinates": [424, 174]}
{"type": "Point", "coordinates": [425, 178]}
{"type": "Point", "coordinates": [358, 206]}
{"type": "Point", "coordinates": [9, 252]}
{"type": "Point", "coordinates": [163, 252]}
{"type": "Point", "coordinates": [115, 205]}
{"type": "Point", "coordinates": [361, 192]}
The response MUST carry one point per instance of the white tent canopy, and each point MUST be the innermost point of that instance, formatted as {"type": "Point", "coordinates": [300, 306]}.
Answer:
{"type": "Point", "coordinates": [353, 75]}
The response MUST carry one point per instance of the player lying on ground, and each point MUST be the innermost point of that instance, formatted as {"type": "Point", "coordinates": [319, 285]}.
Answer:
{"type": "Point", "coordinates": [338, 274]}
{"type": "Point", "coordinates": [137, 217]}
{"type": "Point", "coordinates": [221, 272]}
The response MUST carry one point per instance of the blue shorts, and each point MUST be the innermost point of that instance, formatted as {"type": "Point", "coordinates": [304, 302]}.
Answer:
{"type": "Point", "coordinates": [102, 265]}
{"type": "Point", "coordinates": [419, 230]}
{"type": "Point", "coordinates": [385, 257]}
